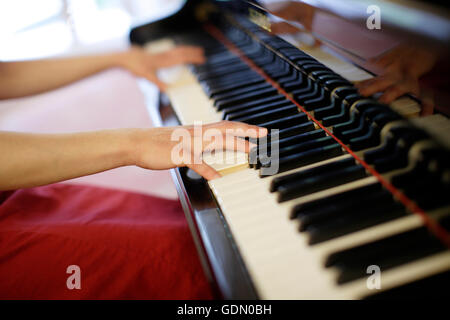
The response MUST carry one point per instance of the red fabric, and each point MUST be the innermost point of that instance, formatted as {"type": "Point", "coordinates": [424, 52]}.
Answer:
{"type": "Point", "coordinates": [127, 245]}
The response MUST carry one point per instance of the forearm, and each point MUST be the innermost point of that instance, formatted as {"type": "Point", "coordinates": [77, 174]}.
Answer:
{"type": "Point", "coordinates": [25, 78]}
{"type": "Point", "coordinates": [28, 160]}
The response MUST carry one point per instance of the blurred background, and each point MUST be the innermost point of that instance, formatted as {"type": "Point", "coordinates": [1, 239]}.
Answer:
{"type": "Point", "coordinates": [35, 29]}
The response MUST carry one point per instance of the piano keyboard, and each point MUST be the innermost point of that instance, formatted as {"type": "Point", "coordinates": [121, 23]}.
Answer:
{"type": "Point", "coordinates": [334, 208]}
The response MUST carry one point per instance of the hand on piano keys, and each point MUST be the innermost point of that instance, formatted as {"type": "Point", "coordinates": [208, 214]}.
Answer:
{"type": "Point", "coordinates": [145, 64]}
{"type": "Point", "coordinates": [401, 70]}
{"type": "Point", "coordinates": [170, 147]}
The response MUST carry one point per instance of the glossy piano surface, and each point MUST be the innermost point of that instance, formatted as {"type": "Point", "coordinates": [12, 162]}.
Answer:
{"type": "Point", "coordinates": [358, 184]}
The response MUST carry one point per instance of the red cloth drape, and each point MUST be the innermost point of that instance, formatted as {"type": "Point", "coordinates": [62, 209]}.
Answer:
{"type": "Point", "coordinates": [127, 245]}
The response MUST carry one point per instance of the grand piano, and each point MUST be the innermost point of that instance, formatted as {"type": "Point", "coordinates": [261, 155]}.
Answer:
{"type": "Point", "coordinates": [359, 207]}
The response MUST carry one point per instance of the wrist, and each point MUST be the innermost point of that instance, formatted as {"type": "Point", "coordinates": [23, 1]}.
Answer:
{"type": "Point", "coordinates": [132, 146]}
{"type": "Point", "coordinates": [120, 59]}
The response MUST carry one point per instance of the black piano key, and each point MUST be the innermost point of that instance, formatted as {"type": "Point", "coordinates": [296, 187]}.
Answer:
{"type": "Point", "coordinates": [296, 129]}
{"type": "Point", "coordinates": [310, 102]}
{"type": "Point", "coordinates": [421, 170]}
{"type": "Point", "coordinates": [292, 85]}
{"type": "Point", "coordinates": [239, 78]}
{"type": "Point", "coordinates": [325, 111]}
{"type": "Point", "coordinates": [309, 66]}
{"type": "Point", "coordinates": [299, 132]}
{"type": "Point", "coordinates": [278, 64]}
{"type": "Point", "coordinates": [277, 74]}
{"type": "Point", "coordinates": [241, 91]}
{"type": "Point", "coordinates": [321, 76]}
{"type": "Point", "coordinates": [342, 225]}
{"type": "Point", "coordinates": [264, 60]}
{"type": "Point", "coordinates": [261, 108]}
{"type": "Point", "coordinates": [320, 182]}
{"type": "Point", "coordinates": [350, 135]}
{"type": "Point", "coordinates": [386, 253]}
{"type": "Point", "coordinates": [304, 158]}
{"type": "Point", "coordinates": [253, 103]}
{"type": "Point", "coordinates": [369, 140]}
{"type": "Point", "coordinates": [332, 84]}
{"type": "Point", "coordinates": [357, 124]}
{"type": "Point", "coordinates": [339, 113]}
{"type": "Point", "coordinates": [252, 50]}
{"type": "Point", "coordinates": [396, 160]}
{"type": "Point", "coordinates": [387, 147]}
{"type": "Point", "coordinates": [235, 86]}
{"type": "Point", "coordinates": [393, 154]}
{"type": "Point", "coordinates": [283, 46]}
{"type": "Point", "coordinates": [216, 63]}
{"type": "Point", "coordinates": [220, 58]}
{"type": "Point", "coordinates": [316, 93]}
{"type": "Point", "coordinates": [294, 76]}
{"type": "Point", "coordinates": [428, 193]}
{"type": "Point", "coordinates": [269, 115]}
{"type": "Point", "coordinates": [285, 141]}
{"type": "Point", "coordinates": [234, 78]}
{"type": "Point", "coordinates": [285, 122]}
{"type": "Point", "coordinates": [316, 103]}
{"type": "Point", "coordinates": [404, 179]}
{"type": "Point", "coordinates": [308, 86]}
{"type": "Point", "coordinates": [246, 98]}
{"type": "Point", "coordinates": [222, 72]}
{"type": "Point", "coordinates": [299, 138]}
{"type": "Point", "coordinates": [340, 95]}
{"type": "Point", "coordinates": [345, 208]}
{"type": "Point", "coordinates": [293, 53]}
{"type": "Point", "coordinates": [277, 67]}
{"type": "Point", "coordinates": [427, 190]}
{"type": "Point", "coordinates": [342, 116]}
{"type": "Point", "coordinates": [304, 209]}
{"type": "Point", "coordinates": [299, 176]}
{"type": "Point", "coordinates": [296, 147]}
